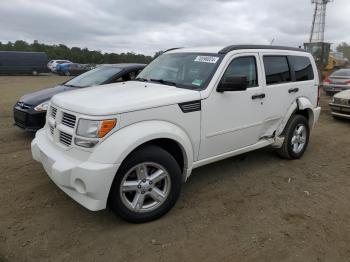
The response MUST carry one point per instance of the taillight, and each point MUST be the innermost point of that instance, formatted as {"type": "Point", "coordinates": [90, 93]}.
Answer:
{"type": "Point", "coordinates": [348, 82]}
{"type": "Point", "coordinates": [327, 80]}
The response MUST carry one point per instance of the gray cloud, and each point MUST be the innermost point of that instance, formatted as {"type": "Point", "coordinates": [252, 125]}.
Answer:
{"type": "Point", "coordinates": [152, 25]}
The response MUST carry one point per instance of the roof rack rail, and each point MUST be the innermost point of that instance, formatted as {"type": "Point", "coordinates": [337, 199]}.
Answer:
{"type": "Point", "coordinates": [174, 48]}
{"type": "Point", "coordinates": [230, 48]}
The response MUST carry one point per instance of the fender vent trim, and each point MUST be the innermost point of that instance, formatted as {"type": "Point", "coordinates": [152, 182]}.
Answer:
{"type": "Point", "coordinates": [191, 106]}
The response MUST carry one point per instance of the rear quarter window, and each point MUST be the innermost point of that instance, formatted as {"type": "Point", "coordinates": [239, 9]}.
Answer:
{"type": "Point", "coordinates": [302, 68]}
{"type": "Point", "coordinates": [277, 70]}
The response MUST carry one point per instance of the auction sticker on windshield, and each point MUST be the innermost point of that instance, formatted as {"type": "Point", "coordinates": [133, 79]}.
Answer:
{"type": "Point", "coordinates": [207, 59]}
{"type": "Point", "coordinates": [197, 82]}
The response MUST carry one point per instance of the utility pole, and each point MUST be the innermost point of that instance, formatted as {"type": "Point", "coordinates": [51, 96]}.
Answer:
{"type": "Point", "coordinates": [316, 45]}
{"type": "Point", "coordinates": [319, 21]}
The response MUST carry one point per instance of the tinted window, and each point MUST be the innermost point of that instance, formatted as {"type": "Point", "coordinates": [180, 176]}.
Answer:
{"type": "Point", "coordinates": [276, 69]}
{"type": "Point", "coordinates": [302, 68]}
{"type": "Point", "coordinates": [243, 66]}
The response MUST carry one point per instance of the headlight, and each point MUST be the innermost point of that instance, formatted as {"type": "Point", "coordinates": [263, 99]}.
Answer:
{"type": "Point", "coordinates": [43, 106]}
{"type": "Point", "coordinates": [95, 128]}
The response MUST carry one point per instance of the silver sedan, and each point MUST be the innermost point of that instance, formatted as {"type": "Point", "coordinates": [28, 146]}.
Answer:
{"type": "Point", "coordinates": [337, 81]}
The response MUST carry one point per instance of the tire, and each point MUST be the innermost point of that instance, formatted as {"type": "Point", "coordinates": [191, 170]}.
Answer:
{"type": "Point", "coordinates": [297, 132]}
{"type": "Point", "coordinates": [67, 73]}
{"type": "Point", "coordinates": [132, 176]}
{"type": "Point", "coordinates": [329, 93]}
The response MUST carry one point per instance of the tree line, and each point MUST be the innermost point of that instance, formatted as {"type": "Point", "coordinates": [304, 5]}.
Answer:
{"type": "Point", "coordinates": [75, 54]}
{"type": "Point", "coordinates": [86, 56]}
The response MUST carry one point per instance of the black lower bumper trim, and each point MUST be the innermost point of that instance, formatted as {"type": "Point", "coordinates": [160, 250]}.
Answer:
{"type": "Point", "coordinates": [29, 119]}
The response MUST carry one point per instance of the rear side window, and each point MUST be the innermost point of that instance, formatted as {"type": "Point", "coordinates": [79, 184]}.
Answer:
{"type": "Point", "coordinates": [243, 66]}
{"type": "Point", "coordinates": [276, 70]}
{"type": "Point", "coordinates": [302, 68]}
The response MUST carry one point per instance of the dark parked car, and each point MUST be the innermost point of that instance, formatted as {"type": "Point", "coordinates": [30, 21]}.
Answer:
{"type": "Point", "coordinates": [337, 81]}
{"type": "Point", "coordinates": [30, 110]}
{"type": "Point", "coordinates": [13, 62]}
{"type": "Point", "coordinates": [73, 69]}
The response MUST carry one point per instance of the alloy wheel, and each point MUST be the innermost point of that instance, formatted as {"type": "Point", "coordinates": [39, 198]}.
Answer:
{"type": "Point", "coordinates": [145, 187]}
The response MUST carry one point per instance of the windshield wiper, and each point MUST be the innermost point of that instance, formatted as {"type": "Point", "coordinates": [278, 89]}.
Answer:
{"type": "Point", "coordinates": [71, 86]}
{"type": "Point", "coordinates": [141, 79]}
{"type": "Point", "coordinates": [165, 82]}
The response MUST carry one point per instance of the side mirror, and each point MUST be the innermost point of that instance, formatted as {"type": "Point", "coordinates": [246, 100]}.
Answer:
{"type": "Point", "coordinates": [236, 83]}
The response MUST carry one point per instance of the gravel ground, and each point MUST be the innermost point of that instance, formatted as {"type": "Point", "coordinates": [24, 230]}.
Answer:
{"type": "Point", "coordinates": [255, 207]}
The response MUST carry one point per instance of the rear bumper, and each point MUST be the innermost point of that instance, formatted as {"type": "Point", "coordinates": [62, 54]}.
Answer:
{"type": "Point", "coordinates": [88, 183]}
{"type": "Point", "coordinates": [340, 110]}
{"type": "Point", "coordinates": [29, 119]}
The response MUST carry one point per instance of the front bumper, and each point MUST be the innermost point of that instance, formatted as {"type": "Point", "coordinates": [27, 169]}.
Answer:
{"type": "Point", "coordinates": [86, 182]}
{"type": "Point", "coordinates": [339, 110]}
{"type": "Point", "coordinates": [335, 88]}
{"type": "Point", "coordinates": [28, 119]}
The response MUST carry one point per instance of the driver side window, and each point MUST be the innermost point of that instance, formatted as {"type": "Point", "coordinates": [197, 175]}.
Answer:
{"type": "Point", "coordinates": [243, 66]}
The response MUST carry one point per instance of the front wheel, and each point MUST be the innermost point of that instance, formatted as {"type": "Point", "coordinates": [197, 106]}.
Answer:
{"type": "Point", "coordinates": [297, 134]}
{"type": "Point", "coordinates": [146, 186]}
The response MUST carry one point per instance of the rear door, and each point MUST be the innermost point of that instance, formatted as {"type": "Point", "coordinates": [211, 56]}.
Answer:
{"type": "Point", "coordinates": [287, 77]}
{"type": "Point", "coordinates": [305, 79]}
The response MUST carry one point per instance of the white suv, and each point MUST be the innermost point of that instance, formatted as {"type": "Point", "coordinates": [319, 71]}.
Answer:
{"type": "Point", "coordinates": [132, 144]}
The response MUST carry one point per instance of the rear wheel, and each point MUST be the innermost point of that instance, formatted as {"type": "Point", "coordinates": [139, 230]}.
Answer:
{"type": "Point", "coordinates": [146, 186]}
{"type": "Point", "coordinates": [297, 134]}
{"type": "Point", "coordinates": [67, 73]}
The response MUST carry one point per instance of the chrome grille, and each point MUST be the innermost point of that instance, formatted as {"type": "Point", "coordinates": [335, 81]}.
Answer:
{"type": "Point", "coordinates": [51, 130]}
{"type": "Point", "coordinates": [68, 120]}
{"type": "Point", "coordinates": [53, 112]}
{"type": "Point", "coordinates": [65, 138]}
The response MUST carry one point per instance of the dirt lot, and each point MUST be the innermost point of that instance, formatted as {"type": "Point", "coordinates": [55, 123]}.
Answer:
{"type": "Point", "coordinates": [255, 207]}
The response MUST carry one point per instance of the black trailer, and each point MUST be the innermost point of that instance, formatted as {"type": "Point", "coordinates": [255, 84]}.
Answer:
{"type": "Point", "coordinates": [14, 62]}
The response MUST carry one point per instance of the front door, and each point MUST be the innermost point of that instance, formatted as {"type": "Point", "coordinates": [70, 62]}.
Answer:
{"type": "Point", "coordinates": [233, 120]}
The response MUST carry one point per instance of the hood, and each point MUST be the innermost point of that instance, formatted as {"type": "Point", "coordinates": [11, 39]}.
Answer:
{"type": "Point", "coordinates": [122, 97]}
{"type": "Point", "coordinates": [43, 95]}
{"type": "Point", "coordinates": [343, 94]}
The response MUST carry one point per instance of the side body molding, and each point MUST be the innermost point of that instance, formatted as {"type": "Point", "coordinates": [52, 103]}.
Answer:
{"type": "Point", "coordinates": [120, 144]}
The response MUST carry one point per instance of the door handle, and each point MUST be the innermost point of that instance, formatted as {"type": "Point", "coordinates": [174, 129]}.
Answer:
{"type": "Point", "coordinates": [259, 96]}
{"type": "Point", "coordinates": [293, 90]}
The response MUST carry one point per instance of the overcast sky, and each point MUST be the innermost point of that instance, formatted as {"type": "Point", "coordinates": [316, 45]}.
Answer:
{"type": "Point", "coordinates": [151, 25]}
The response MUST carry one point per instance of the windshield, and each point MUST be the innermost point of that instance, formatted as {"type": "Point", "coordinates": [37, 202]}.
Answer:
{"type": "Point", "coordinates": [94, 77]}
{"type": "Point", "coordinates": [186, 70]}
{"type": "Point", "coordinates": [343, 72]}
